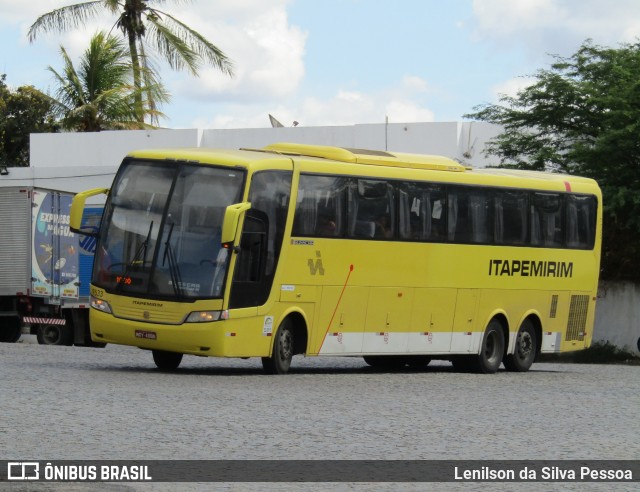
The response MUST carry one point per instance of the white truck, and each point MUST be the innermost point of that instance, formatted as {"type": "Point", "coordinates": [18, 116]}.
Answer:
{"type": "Point", "coordinates": [45, 269]}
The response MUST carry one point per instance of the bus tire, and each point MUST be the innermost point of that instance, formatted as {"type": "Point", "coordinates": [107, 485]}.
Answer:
{"type": "Point", "coordinates": [282, 352]}
{"type": "Point", "coordinates": [54, 335]}
{"type": "Point", "coordinates": [525, 350]}
{"type": "Point", "coordinates": [166, 361]}
{"type": "Point", "coordinates": [491, 351]}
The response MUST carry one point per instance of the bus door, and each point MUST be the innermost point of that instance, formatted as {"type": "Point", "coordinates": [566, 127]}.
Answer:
{"type": "Point", "coordinates": [261, 239]}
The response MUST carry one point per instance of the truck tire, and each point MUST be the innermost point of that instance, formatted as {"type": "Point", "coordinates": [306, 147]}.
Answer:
{"type": "Point", "coordinates": [55, 335]}
{"type": "Point", "coordinates": [10, 329]}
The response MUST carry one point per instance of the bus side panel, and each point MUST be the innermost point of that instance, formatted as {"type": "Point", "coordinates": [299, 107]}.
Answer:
{"type": "Point", "coordinates": [388, 320]}
{"type": "Point", "coordinates": [432, 320]}
{"type": "Point", "coordinates": [342, 316]}
{"type": "Point", "coordinates": [464, 338]}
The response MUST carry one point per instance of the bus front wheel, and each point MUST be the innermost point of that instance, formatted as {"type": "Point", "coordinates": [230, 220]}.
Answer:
{"type": "Point", "coordinates": [282, 351]}
{"type": "Point", "coordinates": [525, 350]}
{"type": "Point", "coordinates": [166, 361]}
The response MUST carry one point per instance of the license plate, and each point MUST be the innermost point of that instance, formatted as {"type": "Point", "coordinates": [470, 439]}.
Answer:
{"type": "Point", "coordinates": [150, 335]}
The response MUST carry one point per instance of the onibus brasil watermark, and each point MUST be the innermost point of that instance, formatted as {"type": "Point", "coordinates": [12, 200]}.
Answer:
{"type": "Point", "coordinates": [321, 471]}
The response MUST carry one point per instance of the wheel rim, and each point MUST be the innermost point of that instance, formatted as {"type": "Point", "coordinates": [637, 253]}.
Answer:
{"type": "Point", "coordinates": [491, 347]}
{"type": "Point", "coordinates": [524, 345]}
{"type": "Point", "coordinates": [286, 348]}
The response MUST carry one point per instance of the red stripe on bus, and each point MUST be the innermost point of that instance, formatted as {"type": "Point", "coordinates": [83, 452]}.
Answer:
{"type": "Point", "coordinates": [336, 308]}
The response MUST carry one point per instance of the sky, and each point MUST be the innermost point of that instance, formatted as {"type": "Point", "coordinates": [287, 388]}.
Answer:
{"type": "Point", "coordinates": [341, 62]}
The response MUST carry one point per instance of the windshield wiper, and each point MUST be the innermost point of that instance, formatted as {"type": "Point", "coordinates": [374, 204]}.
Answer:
{"type": "Point", "coordinates": [174, 269]}
{"type": "Point", "coordinates": [142, 249]}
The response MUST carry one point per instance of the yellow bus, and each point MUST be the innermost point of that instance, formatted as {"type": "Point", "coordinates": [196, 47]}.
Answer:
{"type": "Point", "coordinates": [303, 249]}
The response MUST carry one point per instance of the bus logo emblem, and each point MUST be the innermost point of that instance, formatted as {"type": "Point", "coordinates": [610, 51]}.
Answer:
{"type": "Point", "coordinates": [315, 266]}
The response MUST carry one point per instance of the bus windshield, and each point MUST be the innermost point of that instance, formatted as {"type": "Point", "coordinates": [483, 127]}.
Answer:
{"type": "Point", "coordinates": [161, 232]}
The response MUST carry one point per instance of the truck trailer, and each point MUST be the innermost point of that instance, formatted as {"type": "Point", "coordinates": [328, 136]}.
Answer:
{"type": "Point", "coordinates": [45, 269]}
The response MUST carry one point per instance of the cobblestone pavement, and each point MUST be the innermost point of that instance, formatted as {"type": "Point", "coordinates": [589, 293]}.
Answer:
{"type": "Point", "coordinates": [66, 403]}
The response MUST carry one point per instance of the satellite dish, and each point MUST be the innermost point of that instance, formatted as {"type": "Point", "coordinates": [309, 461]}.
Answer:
{"type": "Point", "coordinates": [275, 123]}
{"type": "Point", "coordinates": [468, 154]}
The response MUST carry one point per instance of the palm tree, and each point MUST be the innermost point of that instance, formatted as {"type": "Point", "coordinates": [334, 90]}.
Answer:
{"type": "Point", "coordinates": [99, 95]}
{"type": "Point", "coordinates": [142, 25]}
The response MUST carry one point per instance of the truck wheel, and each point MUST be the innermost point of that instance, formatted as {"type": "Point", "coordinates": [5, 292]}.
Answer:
{"type": "Point", "coordinates": [282, 352]}
{"type": "Point", "coordinates": [10, 329]}
{"type": "Point", "coordinates": [166, 361]}
{"type": "Point", "coordinates": [54, 335]}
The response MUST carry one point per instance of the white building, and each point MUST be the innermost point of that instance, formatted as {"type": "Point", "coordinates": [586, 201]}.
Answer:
{"type": "Point", "coordinates": [78, 161]}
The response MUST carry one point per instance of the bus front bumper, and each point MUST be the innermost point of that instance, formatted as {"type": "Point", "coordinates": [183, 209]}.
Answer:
{"type": "Point", "coordinates": [223, 338]}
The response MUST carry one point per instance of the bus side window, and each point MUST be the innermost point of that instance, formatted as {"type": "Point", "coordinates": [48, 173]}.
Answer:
{"type": "Point", "coordinates": [420, 212]}
{"type": "Point", "coordinates": [371, 209]}
{"type": "Point", "coordinates": [546, 220]}
{"type": "Point", "coordinates": [469, 211]}
{"type": "Point", "coordinates": [479, 216]}
{"type": "Point", "coordinates": [319, 206]}
{"type": "Point", "coordinates": [510, 218]}
{"type": "Point", "coordinates": [581, 221]}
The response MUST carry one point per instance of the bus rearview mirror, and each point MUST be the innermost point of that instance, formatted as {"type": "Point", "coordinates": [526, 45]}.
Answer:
{"type": "Point", "coordinates": [78, 222]}
{"type": "Point", "coordinates": [231, 220]}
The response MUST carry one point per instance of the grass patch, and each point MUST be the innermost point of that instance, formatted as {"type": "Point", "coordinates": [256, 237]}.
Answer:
{"type": "Point", "coordinates": [598, 353]}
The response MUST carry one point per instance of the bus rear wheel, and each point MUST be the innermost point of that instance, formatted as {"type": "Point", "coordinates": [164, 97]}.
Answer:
{"type": "Point", "coordinates": [525, 350]}
{"type": "Point", "coordinates": [491, 351]}
{"type": "Point", "coordinates": [282, 351]}
{"type": "Point", "coordinates": [166, 361]}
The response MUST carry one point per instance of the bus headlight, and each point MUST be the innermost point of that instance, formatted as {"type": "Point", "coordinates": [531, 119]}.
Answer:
{"type": "Point", "coordinates": [206, 316]}
{"type": "Point", "coordinates": [100, 305]}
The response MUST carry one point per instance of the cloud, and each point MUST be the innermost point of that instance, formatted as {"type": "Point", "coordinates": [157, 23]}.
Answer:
{"type": "Point", "coordinates": [403, 102]}
{"type": "Point", "coordinates": [268, 52]}
{"type": "Point", "coordinates": [511, 87]}
{"type": "Point", "coordinates": [555, 26]}
{"type": "Point", "coordinates": [21, 12]}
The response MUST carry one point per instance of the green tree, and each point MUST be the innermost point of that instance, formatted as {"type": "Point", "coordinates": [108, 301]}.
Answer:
{"type": "Point", "coordinates": [99, 95]}
{"type": "Point", "coordinates": [23, 111]}
{"type": "Point", "coordinates": [582, 116]}
{"type": "Point", "coordinates": [143, 27]}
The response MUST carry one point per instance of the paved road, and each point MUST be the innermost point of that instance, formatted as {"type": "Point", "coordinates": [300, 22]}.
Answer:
{"type": "Point", "coordinates": [80, 403]}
